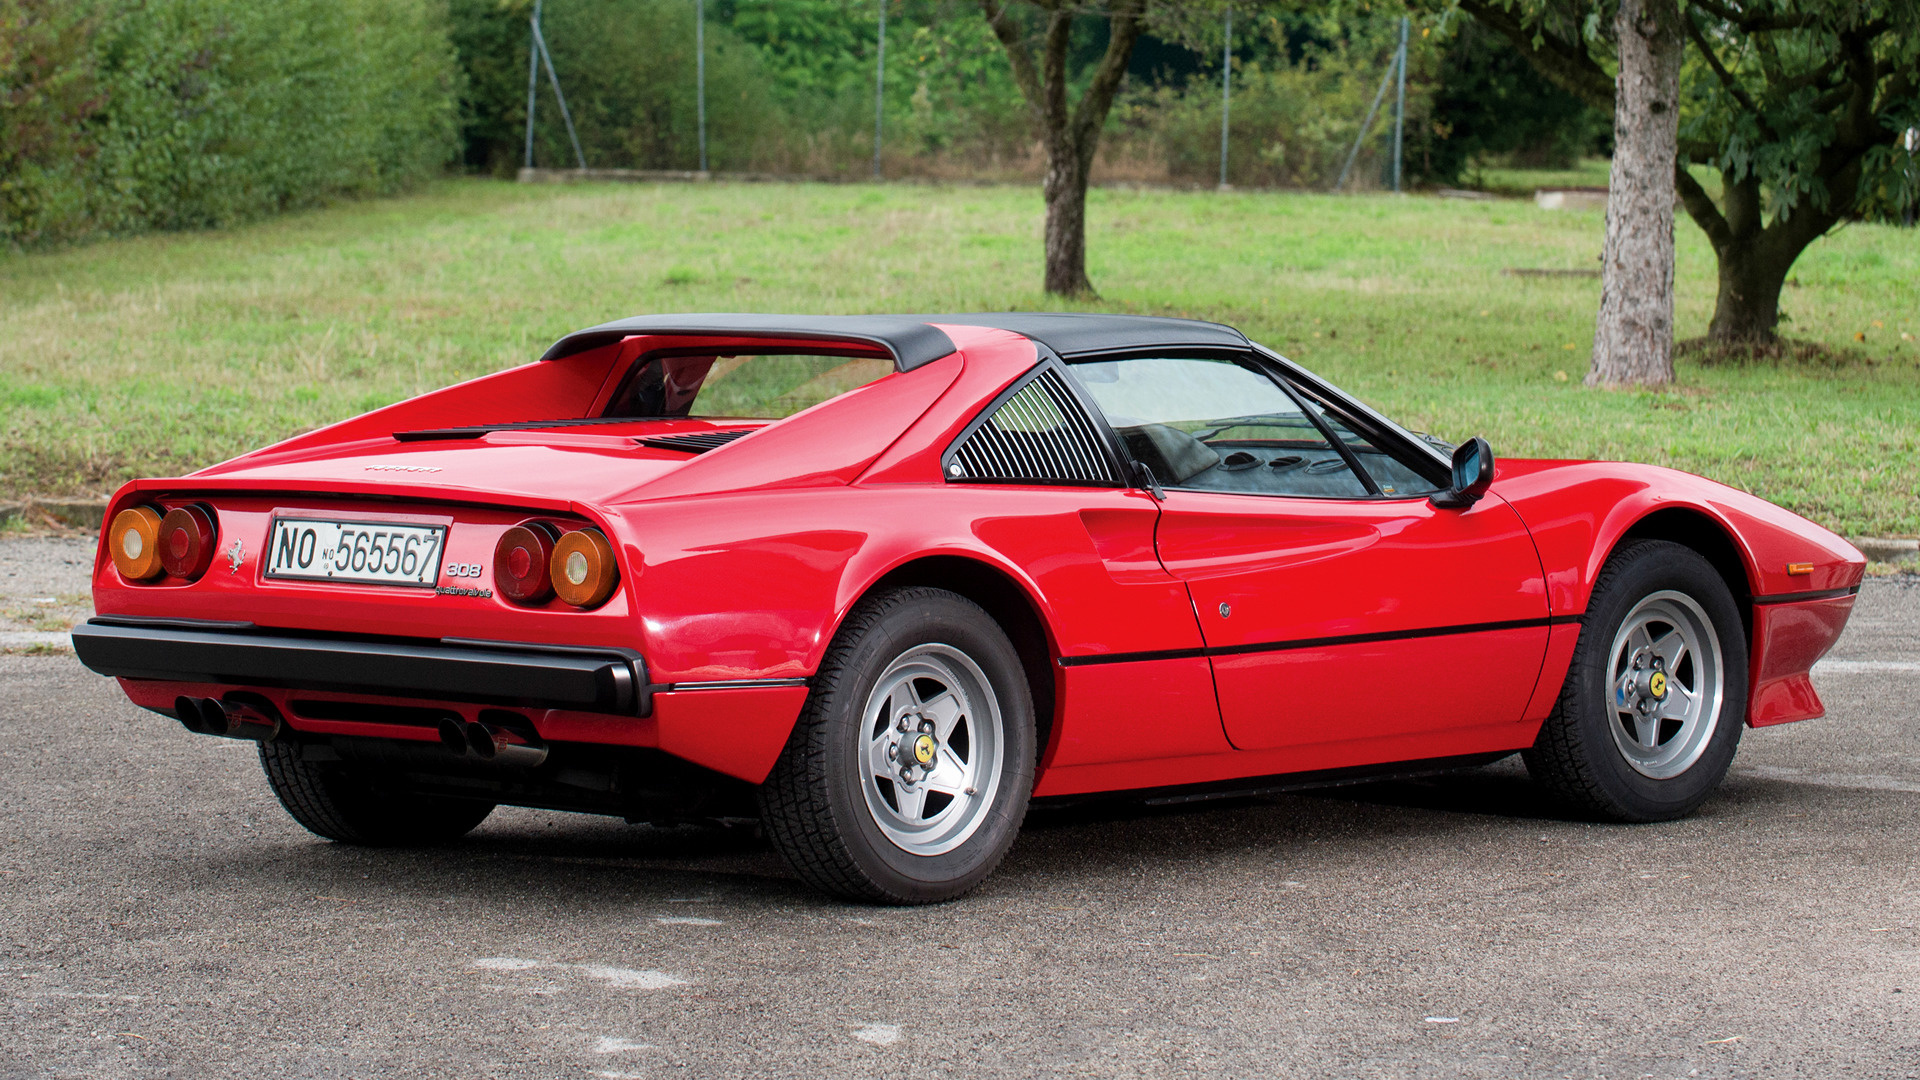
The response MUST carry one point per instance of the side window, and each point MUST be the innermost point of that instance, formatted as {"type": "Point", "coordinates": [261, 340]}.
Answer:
{"type": "Point", "coordinates": [1395, 478]}
{"type": "Point", "coordinates": [1213, 425]}
{"type": "Point", "coordinates": [1038, 435]}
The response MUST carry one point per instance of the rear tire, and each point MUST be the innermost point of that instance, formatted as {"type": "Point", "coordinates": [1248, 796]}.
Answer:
{"type": "Point", "coordinates": [1650, 714]}
{"type": "Point", "coordinates": [907, 775]}
{"type": "Point", "coordinates": [351, 806]}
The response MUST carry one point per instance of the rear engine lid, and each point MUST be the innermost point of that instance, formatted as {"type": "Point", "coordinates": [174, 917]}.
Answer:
{"type": "Point", "coordinates": [534, 465]}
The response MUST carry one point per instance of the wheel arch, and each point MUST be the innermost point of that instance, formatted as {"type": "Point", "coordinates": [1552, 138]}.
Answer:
{"type": "Point", "coordinates": [1709, 537]}
{"type": "Point", "coordinates": [1008, 601]}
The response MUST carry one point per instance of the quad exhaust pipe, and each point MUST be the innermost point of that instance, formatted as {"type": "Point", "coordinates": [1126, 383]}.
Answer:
{"type": "Point", "coordinates": [498, 738]}
{"type": "Point", "coordinates": [238, 716]}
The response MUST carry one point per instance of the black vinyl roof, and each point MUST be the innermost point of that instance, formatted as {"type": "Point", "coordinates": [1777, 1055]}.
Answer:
{"type": "Point", "coordinates": [912, 340]}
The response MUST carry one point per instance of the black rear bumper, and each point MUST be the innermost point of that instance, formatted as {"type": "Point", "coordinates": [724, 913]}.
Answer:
{"type": "Point", "coordinates": [606, 680]}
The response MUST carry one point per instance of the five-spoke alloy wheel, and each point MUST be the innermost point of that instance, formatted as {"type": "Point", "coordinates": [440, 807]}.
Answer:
{"type": "Point", "coordinates": [1650, 714]}
{"type": "Point", "coordinates": [1668, 679]}
{"type": "Point", "coordinates": [908, 773]}
{"type": "Point", "coordinates": [933, 749]}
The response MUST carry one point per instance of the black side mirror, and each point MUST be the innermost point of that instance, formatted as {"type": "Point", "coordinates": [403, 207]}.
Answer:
{"type": "Point", "coordinates": [1472, 475]}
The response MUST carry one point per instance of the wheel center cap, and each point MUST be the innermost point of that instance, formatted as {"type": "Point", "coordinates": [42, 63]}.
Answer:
{"type": "Point", "coordinates": [1657, 684]}
{"type": "Point", "coordinates": [923, 749]}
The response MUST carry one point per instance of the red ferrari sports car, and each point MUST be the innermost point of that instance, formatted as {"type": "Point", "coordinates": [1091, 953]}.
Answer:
{"type": "Point", "coordinates": [880, 580]}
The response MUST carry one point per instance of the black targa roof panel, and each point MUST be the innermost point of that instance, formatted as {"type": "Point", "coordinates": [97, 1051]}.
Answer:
{"type": "Point", "coordinates": [1077, 334]}
{"type": "Point", "coordinates": [913, 340]}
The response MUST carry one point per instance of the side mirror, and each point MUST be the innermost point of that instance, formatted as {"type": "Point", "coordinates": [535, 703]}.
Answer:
{"type": "Point", "coordinates": [1472, 475]}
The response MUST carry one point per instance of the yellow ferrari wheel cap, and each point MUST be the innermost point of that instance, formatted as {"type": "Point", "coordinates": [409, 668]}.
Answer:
{"type": "Point", "coordinates": [923, 748]}
{"type": "Point", "coordinates": [1657, 685]}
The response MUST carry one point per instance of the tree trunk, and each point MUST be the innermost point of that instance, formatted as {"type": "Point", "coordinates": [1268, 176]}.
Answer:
{"type": "Point", "coordinates": [1633, 337]}
{"type": "Point", "coordinates": [1754, 257]}
{"type": "Point", "coordinates": [1747, 311]}
{"type": "Point", "coordinates": [1066, 194]}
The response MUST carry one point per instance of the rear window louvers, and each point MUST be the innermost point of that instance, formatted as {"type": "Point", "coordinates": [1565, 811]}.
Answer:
{"type": "Point", "coordinates": [1038, 435]}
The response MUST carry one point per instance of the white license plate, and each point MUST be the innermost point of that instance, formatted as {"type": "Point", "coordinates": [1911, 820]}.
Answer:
{"type": "Point", "coordinates": [361, 552]}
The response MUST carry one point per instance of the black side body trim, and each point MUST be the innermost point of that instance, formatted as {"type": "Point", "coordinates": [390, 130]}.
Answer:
{"type": "Point", "coordinates": [529, 675]}
{"type": "Point", "coordinates": [1797, 597]}
{"type": "Point", "coordinates": [1283, 783]}
{"type": "Point", "coordinates": [1315, 643]}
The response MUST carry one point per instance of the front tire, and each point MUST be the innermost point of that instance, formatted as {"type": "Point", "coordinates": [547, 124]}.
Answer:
{"type": "Point", "coordinates": [351, 806]}
{"type": "Point", "coordinates": [1650, 714]}
{"type": "Point", "coordinates": [907, 775]}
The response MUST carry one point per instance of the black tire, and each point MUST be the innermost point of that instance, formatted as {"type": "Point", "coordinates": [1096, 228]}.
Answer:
{"type": "Point", "coordinates": [1577, 757]}
{"type": "Point", "coordinates": [350, 805]}
{"type": "Point", "coordinates": [815, 804]}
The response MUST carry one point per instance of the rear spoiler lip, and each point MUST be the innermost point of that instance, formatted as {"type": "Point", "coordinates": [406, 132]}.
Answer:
{"type": "Point", "coordinates": [910, 342]}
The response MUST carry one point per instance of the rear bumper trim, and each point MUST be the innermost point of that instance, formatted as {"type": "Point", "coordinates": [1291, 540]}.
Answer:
{"type": "Point", "coordinates": [606, 680]}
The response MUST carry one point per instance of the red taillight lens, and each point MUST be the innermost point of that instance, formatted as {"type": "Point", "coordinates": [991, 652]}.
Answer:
{"type": "Point", "coordinates": [582, 568]}
{"type": "Point", "coordinates": [521, 560]}
{"type": "Point", "coordinates": [186, 541]}
{"type": "Point", "coordinates": [134, 542]}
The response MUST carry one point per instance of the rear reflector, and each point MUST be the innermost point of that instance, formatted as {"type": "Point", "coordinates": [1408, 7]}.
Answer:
{"type": "Point", "coordinates": [521, 560]}
{"type": "Point", "coordinates": [582, 568]}
{"type": "Point", "coordinates": [186, 541]}
{"type": "Point", "coordinates": [134, 541]}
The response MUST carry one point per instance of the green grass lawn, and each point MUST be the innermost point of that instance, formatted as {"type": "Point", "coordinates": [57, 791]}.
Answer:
{"type": "Point", "coordinates": [164, 353]}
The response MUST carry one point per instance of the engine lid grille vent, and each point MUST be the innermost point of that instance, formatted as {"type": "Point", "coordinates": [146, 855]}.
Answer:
{"type": "Point", "coordinates": [695, 442]}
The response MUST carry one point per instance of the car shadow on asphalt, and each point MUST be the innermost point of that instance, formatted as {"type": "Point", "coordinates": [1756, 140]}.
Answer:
{"type": "Point", "coordinates": [581, 862]}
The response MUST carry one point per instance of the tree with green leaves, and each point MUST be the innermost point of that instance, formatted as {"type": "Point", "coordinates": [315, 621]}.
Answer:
{"type": "Point", "coordinates": [1070, 132]}
{"type": "Point", "coordinates": [1801, 106]}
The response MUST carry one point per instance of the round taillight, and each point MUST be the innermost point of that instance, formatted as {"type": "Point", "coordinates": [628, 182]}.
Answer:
{"type": "Point", "coordinates": [582, 569]}
{"type": "Point", "coordinates": [134, 541]}
{"type": "Point", "coordinates": [520, 563]}
{"type": "Point", "coordinates": [186, 541]}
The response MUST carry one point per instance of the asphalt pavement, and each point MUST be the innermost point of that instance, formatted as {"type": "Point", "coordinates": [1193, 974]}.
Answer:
{"type": "Point", "coordinates": [160, 916]}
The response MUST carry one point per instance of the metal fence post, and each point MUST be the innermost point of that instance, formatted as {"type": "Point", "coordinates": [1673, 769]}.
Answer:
{"type": "Point", "coordinates": [1372, 111]}
{"type": "Point", "coordinates": [700, 73]}
{"type": "Point", "coordinates": [553, 76]}
{"type": "Point", "coordinates": [1400, 106]}
{"type": "Point", "coordinates": [1226, 94]}
{"type": "Point", "coordinates": [533, 75]}
{"type": "Point", "coordinates": [879, 88]}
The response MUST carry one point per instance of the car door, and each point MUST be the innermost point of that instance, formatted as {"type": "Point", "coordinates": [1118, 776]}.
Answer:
{"type": "Point", "coordinates": [1039, 481]}
{"type": "Point", "coordinates": [1342, 612]}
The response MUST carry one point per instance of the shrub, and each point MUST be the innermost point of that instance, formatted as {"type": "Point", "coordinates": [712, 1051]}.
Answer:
{"type": "Point", "coordinates": [145, 114]}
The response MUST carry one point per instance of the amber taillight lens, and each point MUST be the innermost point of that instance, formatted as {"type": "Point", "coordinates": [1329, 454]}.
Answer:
{"type": "Point", "coordinates": [521, 562]}
{"type": "Point", "coordinates": [134, 541]}
{"type": "Point", "coordinates": [582, 569]}
{"type": "Point", "coordinates": [186, 541]}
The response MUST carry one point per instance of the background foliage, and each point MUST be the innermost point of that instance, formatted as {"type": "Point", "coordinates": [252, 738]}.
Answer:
{"type": "Point", "coordinates": [118, 116]}
{"type": "Point", "coordinates": [800, 75]}
{"type": "Point", "coordinates": [122, 115]}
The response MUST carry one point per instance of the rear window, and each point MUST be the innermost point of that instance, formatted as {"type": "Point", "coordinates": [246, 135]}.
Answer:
{"type": "Point", "coordinates": [769, 386]}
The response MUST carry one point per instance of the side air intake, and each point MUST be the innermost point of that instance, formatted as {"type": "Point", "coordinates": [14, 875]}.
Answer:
{"type": "Point", "coordinates": [1037, 436]}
